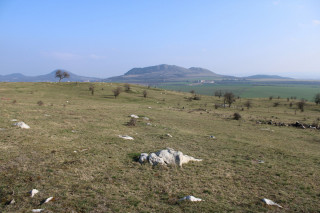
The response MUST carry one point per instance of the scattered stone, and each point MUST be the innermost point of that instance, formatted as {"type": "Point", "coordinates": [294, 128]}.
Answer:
{"type": "Point", "coordinates": [134, 116]}
{"type": "Point", "coordinates": [149, 108]}
{"type": "Point", "coordinates": [2, 129]}
{"type": "Point", "coordinates": [170, 136]}
{"type": "Point", "coordinates": [267, 129]}
{"type": "Point", "coordinates": [14, 120]}
{"type": "Point", "coordinates": [47, 115]}
{"type": "Point", "coordinates": [47, 200]}
{"type": "Point", "coordinates": [37, 210]}
{"type": "Point", "coordinates": [22, 125]}
{"type": "Point", "coordinates": [167, 157]}
{"type": "Point", "coordinates": [260, 161]}
{"type": "Point", "coordinates": [190, 198]}
{"type": "Point", "coordinates": [75, 151]}
{"type": "Point", "coordinates": [33, 192]}
{"type": "Point", "coordinates": [146, 118]}
{"type": "Point", "coordinates": [12, 202]}
{"type": "Point", "coordinates": [126, 137]}
{"type": "Point", "coordinates": [212, 137]}
{"type": "Point", "coordinates": [270, 202]}
{"type": "Point", "coordinates": [73, 131]}
{"type": "Point", "coordinates": [149, 124]}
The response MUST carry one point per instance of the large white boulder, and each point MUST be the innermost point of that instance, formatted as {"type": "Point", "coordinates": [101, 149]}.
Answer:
{"type": "Point", "coordinates": [166, 157]}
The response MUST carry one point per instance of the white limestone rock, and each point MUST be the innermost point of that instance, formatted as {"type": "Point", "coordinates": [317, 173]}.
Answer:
{"type": "Point", "coordinates": [33, 192]}
{"type": "Point", "coordinates": [270, 202]}
{"type": "Point", "coordinates": [22, 125]}
{"type": "Point", "coordinates": [126, 137]}
{"type": "Point", "coordinates": [167, 157]}
{"type": "Point", "coordinates": [134, 116]}
{"type": "Point", "coordinates": [143, 157]}
{"type": "Point", "coordinates": [37, 210]}
{"type": "Point", "coordinates": [190, 198]}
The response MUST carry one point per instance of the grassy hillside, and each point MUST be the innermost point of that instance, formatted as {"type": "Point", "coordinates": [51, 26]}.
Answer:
{"type": "Point", "coordinates": [103, 175]}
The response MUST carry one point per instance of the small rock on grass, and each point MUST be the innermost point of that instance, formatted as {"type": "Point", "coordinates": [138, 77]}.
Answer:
{"type": "Point", "coordinates": [22, 125]}
{"type": "Point", "coordinates": [33, 192]}
{"type": "Point", "coordinates": [190, 198]}
{"type": "Point", "coordinates": [134, 116]}
{"type": "Point", "coordinates": [270, 202]}
{"type": "Point", "coordinates": [126, 137]}
{"type": "Point", "coordinates": [37, 210]}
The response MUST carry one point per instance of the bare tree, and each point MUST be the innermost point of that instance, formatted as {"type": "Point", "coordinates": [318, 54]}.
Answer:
{"type": "Point", "coordinates": [91, 88]}
{"type": "Point", "coordinates": [317, 98]}
{"type": "Point", "coordinates": [248, 104]}
{"type": "Point", "coordinates": [127, 87]}
{"type": "Point", "coordinates": [229, 98]}
{"type": "Point", "coordinates": [218, 93]}
{"type": "Point", "coordinates": [192, 92]}
{"type": "Point", "coordinates": [61, 75]}
{"type": "Point", "coordinates": [117, 91]}
{"type": "Point", "coordinates": [145, 93]}
{"type": "Point", "coordinates": [301, 105]}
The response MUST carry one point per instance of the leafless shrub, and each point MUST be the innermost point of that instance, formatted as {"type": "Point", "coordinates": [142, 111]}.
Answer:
{"type": "Point", "coordinates": [145, 93]}
{"type": "Point", "coordinates": [40, 103]}
{"type": "Point", "coordinates": [216, 106]}
{"type": "Point", "coordinates": [14, 101]}
{"type": "Point", "coordinates": [116, 92]}
{"type": "Point", "coordinates": [301, 105]}
{"type": "Point", "coordinates": [218, 93]}
{"type": "Point", "coordinates": [236, 116]}
{"type": "Point", "coordinates": [229, 98]}
{"type": "Point", "coordinates": [127, 88]}
{"type": "Point", "coordinates": [132, 122]}
{"type": "Point", "coordinates": [275, 104]}
{"type": "Point", "coordinates": [192, 92]}
{"type": "Point", "coordinates": [196, 97]}
{"type": "Point", "coordinates": [270, 98]}
{"type": "Point", "coordinates": [248, 104]}
{"type": "Point", "coordinates": [91, 88]}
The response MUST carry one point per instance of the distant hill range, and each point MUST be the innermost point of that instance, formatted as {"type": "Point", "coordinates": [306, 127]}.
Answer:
{"type": "Point", "coordinates": [147, 75]}
{"type": "Point", "coordinates": [17, 77]}
{"type": "Point", "coordinates": [266, 77]}
{"type": "Point", "coordinates": [166, 73]}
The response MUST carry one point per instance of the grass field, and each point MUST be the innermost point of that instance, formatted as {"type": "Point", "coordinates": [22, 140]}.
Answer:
{"type": "Point", "coordinates": [103, 175]}
{"type": "Point", "coordinates": [251, 90]}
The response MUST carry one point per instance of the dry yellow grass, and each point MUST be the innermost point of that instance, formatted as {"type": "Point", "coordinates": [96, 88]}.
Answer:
{"type": "Point", "coordinates": [102, 175]}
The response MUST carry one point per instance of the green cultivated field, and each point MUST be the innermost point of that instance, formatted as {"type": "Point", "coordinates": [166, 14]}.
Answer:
{"type": "Point", "coordinates": [104, 176]}
{"type": "Point", "coordinates": [252, 90]}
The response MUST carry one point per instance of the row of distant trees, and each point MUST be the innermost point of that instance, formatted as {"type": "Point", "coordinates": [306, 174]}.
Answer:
{"type": "Point", "coordinates": [229, 97]}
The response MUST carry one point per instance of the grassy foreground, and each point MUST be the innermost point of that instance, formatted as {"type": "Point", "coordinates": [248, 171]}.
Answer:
{"type": "Point", "coordinates": [103, 175]}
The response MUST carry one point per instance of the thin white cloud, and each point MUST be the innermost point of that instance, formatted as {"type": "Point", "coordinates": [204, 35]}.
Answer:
{"type": "Point", "coordinates": [316, 22]}
{"type": "Point", "coordinates": [275, 2]}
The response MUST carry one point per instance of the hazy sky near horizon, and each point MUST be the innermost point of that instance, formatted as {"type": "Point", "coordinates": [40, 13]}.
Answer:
{"type": "Point", "coordinates": [106, 38]}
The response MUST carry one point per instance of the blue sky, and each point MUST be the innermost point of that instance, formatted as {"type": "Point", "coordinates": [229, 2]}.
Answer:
{"type": "Point", "coordinates": [107, 38]}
